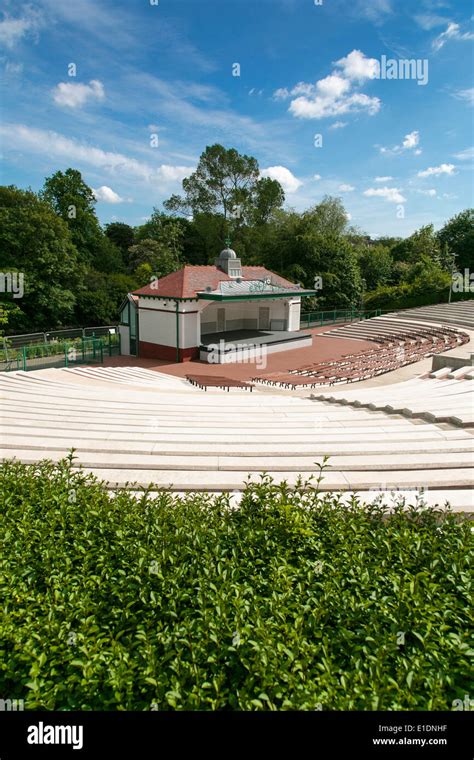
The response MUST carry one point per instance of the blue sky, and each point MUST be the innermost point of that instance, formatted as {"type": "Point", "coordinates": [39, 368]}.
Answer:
{"type": "Point", "coordinates": [398, 152]}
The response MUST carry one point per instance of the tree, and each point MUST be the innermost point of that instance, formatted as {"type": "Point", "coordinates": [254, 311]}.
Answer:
{"type": "Point", "coordinates": [37, 243]}
{"type": "Point", "coordinates": [268, 196]}
{"type": "Point", "coordinates": [458, 235]}
{"type": "Point", "coordinates": [375, 264]}
{"type": "Point", "coordinates": [165, 230]}
{"type": "Point", "coordinates": [328, 218]}
{"type": "Point", "coordinates": [228, 184]}
{"type": "Point", "coordinates": [160, 258]}
{"type": "Point", "coordinates": [3, 317]}
{"type": "Point", "coordinates": [99, 302]}
{"type": "Point", "coordinates": [107, 256]}
{"type": "Point", "coordinates": [122, 235]}
{"type": "Point", "coordinates": [422, 243]}
{"type": "Point", "coordinates": [74, 202]}
{"type": "Point", "coordinates": [314, 244]}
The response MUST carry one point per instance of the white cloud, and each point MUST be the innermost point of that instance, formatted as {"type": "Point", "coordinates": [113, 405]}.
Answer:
{"type": "Point", "coordinates": [302, 88]}
{"type": "Point", "coordinates": [431, 193]}
{"type": "Point", "coordinates": [281, 94]}
{"type": "Point", "coordinates": [320, 107]}
{"type": "Point", "coordinates": [391, 194]}
{"type": "Point", "coordinates": [287, 180]}
{"type": "Point", "coordinates": [338, 125]}
{"type": "Point", "coordinates": [13, 69]}
{"type": "Point", "coordinates": [75, 95]}
{"type": "Point", "coordinates": [357, 66]}
{"type": "Point", "coordinates": [465, 155]}
{"type": "Point", "coordinates": [12, 30]}
{"type": "Point", "coordinates": [333, 95]}
{"type": "Point", "coordinates": [41, 142]}
{"type": "Point", "coordinates": [452, 32]}
{"type": "Point", "coordinates": [317, 177]}
{"type": "Point", "coordinates": [434, 171]}
{"type": "Point", "coordinates": [410, 142]}
{"type": "Point", "coordinates": [374, 10]}
{"type": "Point", "coordinates": [331, 87]}
{"type": "Point", "coordinates": [467, 95]}
{"type": "Point", "coordinates": [383, 179]}
{"type": "Point", "coordinates": [346, 188]}
{"type": "Point", "coordinates": [429, 21]}
{"type": "Point", "coordinates": [107, 195]}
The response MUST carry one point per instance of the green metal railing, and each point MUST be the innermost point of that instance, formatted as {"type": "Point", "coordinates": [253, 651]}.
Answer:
{"type": "Point", "coordinates": [58, 336]}
{"type": "Point", "coordinates": [333, 316]}
{"type": "Point", "coordinates": [64, 354]}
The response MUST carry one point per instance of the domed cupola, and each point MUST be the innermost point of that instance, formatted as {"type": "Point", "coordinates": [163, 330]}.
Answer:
{"type": "Point", "coordinates": [228, 262]}
{"type": "Point", "coordinates": [227, 254]}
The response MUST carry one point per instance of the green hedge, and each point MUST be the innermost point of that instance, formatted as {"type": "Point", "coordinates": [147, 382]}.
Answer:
{"type": "Point", "coordinates": [403, 297]}
{"type": "Point", "coordinates": [292, 601]}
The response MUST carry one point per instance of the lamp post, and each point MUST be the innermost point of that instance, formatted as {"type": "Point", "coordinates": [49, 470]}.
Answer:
{"type": "Point", "coordinates": [362, 293]}
{"type": "Point", "coordinates": [453, 269]}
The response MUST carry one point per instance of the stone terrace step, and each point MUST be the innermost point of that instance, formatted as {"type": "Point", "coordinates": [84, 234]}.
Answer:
{"type": "Point", "coordinates": [345, 462]}
{"type": "Point", "coordinates": [46, 440]}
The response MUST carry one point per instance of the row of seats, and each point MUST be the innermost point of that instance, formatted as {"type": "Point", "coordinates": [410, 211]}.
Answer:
{"type": "Point", "coordinates": [397, 345]}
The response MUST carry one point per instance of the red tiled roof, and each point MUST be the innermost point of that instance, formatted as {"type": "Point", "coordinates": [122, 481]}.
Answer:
{"type": "Point", "coordinates": [190, 280]}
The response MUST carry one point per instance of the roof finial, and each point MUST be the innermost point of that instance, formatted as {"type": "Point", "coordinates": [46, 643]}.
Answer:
{"type": "Point", "coordinates": [228, 241]}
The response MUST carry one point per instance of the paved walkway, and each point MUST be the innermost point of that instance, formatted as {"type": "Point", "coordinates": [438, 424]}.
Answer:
{"type": "Point", "coordinates": [323, 349]}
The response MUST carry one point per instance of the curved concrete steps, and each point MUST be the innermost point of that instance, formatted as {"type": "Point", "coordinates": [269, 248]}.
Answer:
{"type": "Point", "coordinates": [450, 401]}
{"type": "Point", "coordinates": [457, 313]}
{"type": "Point", "coordinates": [129, 434]}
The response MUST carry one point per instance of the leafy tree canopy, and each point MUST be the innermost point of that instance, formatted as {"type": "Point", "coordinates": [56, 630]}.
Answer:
{"type": "Point", "coordinates": [34, 240]}
{"type": "Point", "coordinates": [458, 236]}
{"type": "Point", "coordinates": [73, 200]}
{"type": "Point", "coordinates": [228, 183]}
{"type": "Point", "coordinates": [161, 258]}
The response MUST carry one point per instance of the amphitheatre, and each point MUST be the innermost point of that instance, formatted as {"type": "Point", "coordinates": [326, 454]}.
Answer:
{"type": "Point", "coordinates": [387, 400]}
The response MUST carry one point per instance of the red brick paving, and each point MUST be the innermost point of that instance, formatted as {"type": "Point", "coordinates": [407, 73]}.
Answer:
{"type": "Point", "coordinates": [323, 349]}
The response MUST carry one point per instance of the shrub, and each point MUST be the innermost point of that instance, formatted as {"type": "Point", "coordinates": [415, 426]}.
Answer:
{"type": "Point", "coordinates": [291, 601]}
{"type": "Point", "coordinates": [404, 296]}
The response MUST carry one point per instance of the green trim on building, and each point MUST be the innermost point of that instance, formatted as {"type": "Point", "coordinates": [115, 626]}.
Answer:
{"type": "Point", "coordinates": [177, 331]}
{"type": "Point", "coordinates": [203, 296]}
{"type": "Point", "coordinates": [256, 296]}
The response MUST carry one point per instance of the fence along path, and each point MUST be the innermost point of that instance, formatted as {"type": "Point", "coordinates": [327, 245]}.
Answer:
{"type": "Point", "coordinates": [132, 426]}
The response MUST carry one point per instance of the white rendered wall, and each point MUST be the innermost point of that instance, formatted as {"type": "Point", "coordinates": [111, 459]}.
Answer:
{"type": "Point", "coordinates": [189, 331]}
{"type": "Point", "coordinates": [294, 315]}
{"type": "Point", "coordinates": [158, 322]}
{"type": "Point", "coordinates": [124, 332]}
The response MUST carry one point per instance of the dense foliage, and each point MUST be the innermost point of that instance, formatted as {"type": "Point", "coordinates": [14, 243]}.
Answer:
{"type": "Point", "coordinates": [292, 601]}
{"type": "Point", "coordinates": [77, 273]}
